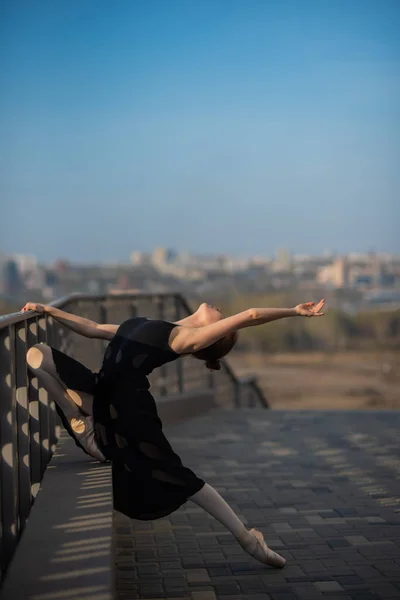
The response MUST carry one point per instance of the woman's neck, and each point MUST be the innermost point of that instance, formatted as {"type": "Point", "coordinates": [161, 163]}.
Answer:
{"type": "Point", "coordinates": [193, 320]}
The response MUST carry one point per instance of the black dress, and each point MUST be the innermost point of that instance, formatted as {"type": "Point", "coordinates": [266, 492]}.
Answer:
{"type": "Point", "coordinates": [149, 479]}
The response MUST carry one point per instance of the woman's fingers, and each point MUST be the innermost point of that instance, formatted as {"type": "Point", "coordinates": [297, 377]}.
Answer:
{"type": "Point", "coordinates": [310, 309]}
{"type": "Point", "coordinates": [33, 306]}
{"type": "Point", "coordinates": [317, 309]}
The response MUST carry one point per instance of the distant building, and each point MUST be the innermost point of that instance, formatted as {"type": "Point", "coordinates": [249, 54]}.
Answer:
{"type": "Point", "coordinates": [13, 284]}
{"type": "Point", "coordinates": [334, 275]}
{"type": "Point", "coordinates": [162, 256]}
{"type": "Point", "coordinates": [360, 271]}
{"type": "Point", "coordinates": [184, 257]}
{"type": "Point", "coordinates": [61, 266]}
{"type": "Point", "coordinates": [140, 259]}
{"type": "Point", "coordinates": [26, 263]}
{"type": "Point", "coordinates": [284, 257]}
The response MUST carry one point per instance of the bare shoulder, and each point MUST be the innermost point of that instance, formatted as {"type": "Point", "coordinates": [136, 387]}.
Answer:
{"type": "Point", "coordinates": [179, 337]}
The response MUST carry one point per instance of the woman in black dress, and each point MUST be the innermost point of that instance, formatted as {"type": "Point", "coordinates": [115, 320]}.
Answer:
{"type": "Point", "coordinates": [149, 479]}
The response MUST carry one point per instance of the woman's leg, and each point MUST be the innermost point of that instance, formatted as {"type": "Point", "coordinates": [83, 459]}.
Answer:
{"type": "Point", "coordinates": [252, 541]}
{"type": "Point", "coordinates": [40, 359]}
{"type": "Point", "coordinates": [209, 499]}
{"type": "Point", "coordinates": [78, 425]}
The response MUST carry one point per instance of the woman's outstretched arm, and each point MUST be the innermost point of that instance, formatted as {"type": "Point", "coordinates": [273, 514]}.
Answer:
{"type": "Point", "coordinates": [185, 340]}
{"type": "Point", "coordinates": [85, 327]}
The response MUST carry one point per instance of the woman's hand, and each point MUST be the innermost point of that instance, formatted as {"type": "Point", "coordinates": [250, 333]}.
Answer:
{"type": "Point", "coordinates": [39, 308]}
{"type": "Point", "coordinates": [310, 309]}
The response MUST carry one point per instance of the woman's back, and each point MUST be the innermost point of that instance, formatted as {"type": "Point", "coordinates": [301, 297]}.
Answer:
{"type": "Point", "coordinates": [139, 346]}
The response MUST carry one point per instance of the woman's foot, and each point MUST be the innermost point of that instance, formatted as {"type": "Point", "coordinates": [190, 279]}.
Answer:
{"type": "Point", "coordinates": [79, 427]}
{"type": "Point", "coordinates": [258, 549]}
{"type": "Point", "coordinates": [83, 431]}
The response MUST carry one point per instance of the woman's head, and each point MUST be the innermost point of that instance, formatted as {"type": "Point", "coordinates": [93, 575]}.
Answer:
{"type": "Point", "coordinates": [212, 354]}
{"type": "Point", "coordinates": [207, 314]}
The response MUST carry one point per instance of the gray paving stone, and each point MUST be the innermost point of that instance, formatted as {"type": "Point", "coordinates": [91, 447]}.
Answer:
{"type": "Point", "coordinates": [197, 575]}
{"type": "Point", "coordinates": [307, 592]}
{"type": "Point", "coordinates": [328, 586]}
{"type": "Point", "coordinates": [151, 588]}
{"type": "Point", "coordinates": [340, 539]}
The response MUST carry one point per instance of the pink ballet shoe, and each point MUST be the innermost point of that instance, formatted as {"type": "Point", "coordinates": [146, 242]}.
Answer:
{"type": "Point", "coordinates": [80, 427]}
{"type": "Point", "coordinates": [83, 432]}
{"type": "Point", "coordinates": [258, 549]}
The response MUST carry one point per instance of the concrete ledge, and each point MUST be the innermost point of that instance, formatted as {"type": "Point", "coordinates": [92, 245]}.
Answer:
{"type": "Point", "coordinates": [187, 405]}
{"type": "Point", "coordinates": [67, 549]}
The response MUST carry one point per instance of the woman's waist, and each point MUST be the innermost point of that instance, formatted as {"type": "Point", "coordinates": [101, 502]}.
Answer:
{"type": "Point", "coordinates": [115, 380]}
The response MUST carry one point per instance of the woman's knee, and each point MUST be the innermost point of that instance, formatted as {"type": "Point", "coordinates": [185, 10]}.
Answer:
{"type": "Point", "coordinates": [39, 356]}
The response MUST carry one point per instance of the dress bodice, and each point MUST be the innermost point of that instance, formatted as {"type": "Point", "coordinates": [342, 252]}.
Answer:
{"type": "Point", "coordinates": [139, 346]}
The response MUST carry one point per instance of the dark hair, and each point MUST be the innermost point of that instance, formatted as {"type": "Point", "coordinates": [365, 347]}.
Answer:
{"type": "Point", "coordinates": [212, 354]}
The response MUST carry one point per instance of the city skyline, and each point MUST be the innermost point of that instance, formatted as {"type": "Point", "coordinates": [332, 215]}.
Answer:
{"type": "Point", "coordinates": [363, 277]}
{"type": "Point", "coordinates": [220, 127]}
{"type": "Point", "coordinates": [183, 254]}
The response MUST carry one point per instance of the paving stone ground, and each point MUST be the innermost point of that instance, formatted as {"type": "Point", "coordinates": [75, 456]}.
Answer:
{"type": "Point", "coordinates": [323, 487]}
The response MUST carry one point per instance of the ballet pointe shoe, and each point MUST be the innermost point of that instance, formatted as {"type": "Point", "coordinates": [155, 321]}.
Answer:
{"type": "Point", "coordinates": [83, 431]}
{"type": "Point", "coordinates": [80, 428]}
{"type": "Point", "coordinates": [258, 549]}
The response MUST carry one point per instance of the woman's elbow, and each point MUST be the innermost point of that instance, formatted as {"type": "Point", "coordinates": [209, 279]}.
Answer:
{"type": "Point", "coordinates": [252, 315]}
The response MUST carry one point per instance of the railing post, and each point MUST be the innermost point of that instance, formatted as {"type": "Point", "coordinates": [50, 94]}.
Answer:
{"type": "Point", "coordinates": [52, 340]}
{"type": "Point", "coordinates": [164, 368]}
{"type": "Point", "coordinates": [44, 429]}
{"type": "Point", "coordinates": [22, 413]}
{"type": "Point", "coordinates": [179, 363]}
{"type": "Point", "coordinates": [237, 394]}
{"type": "Point", "coordinates": [9, 456]}
{"type": "Point", "coordinates": [34, 434]}
{"type": "Point", "coordinates": [103, 313]}
{"type": "Point", "coordinates": [134, 310]}
{"type": "Point", "coordinates": [103, 318]}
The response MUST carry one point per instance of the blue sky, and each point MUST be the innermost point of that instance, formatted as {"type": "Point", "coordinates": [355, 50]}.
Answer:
{"type": "Point", "coordinates": [213, 126]}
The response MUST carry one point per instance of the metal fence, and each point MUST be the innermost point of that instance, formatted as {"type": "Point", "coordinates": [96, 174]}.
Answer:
{"type": "Point", "coordinates": [28, 420]}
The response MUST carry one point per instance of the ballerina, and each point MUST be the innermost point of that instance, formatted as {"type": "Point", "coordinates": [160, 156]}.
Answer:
{"type": "Point", "coordinates": [149, 478]}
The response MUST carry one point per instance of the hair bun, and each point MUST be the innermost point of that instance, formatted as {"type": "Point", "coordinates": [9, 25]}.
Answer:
{"type": "Point", "coordinates": [213, 365]}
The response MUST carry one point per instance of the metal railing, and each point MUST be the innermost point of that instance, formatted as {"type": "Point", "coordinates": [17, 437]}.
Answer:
{"type": "Point", "coordinates": [28, 420]}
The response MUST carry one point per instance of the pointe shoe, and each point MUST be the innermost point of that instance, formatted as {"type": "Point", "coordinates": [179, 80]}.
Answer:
{"type": "Point", "coordinates": [83, 431]}
{"type": "Point", "coordinates": [80, 428]}
{"type": "Point", "coordinates": [258, 549]}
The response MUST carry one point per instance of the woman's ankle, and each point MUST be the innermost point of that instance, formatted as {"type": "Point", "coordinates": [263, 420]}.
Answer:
{"type": "Point", "coordinates": [244, 537]}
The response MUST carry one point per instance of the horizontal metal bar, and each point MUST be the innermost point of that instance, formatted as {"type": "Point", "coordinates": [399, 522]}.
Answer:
{"type": "Point", "coordinates": [17, 317]}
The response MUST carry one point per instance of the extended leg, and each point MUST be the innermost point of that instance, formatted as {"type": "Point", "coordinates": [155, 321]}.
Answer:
{"type": "Point", "coordinates": [78, 425]}
{"type": "Point", "coordinates": [252, 541]}
{"type": "Point", "coordinates": [40, 358]}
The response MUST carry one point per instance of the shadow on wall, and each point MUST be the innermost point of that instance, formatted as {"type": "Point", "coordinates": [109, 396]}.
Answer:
{"type": "Point", "coordinates": [66, 550]}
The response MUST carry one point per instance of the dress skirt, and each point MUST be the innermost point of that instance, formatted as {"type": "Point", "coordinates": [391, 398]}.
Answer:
{"type": "Point", "coordinates": [149, 478]}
